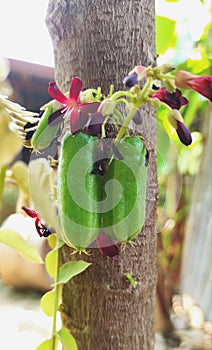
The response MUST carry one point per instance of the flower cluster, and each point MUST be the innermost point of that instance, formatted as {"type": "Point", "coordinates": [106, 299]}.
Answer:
{"type": "Point", "coordinates": [91, 112]}
{"type": "Point", "coordinates": [169, 94]}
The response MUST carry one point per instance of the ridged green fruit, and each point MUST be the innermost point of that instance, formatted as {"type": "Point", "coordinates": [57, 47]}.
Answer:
{"type": "Point", "coordinates": [125, 191]}
{"type": "Point", "coordinates": [79, 191]}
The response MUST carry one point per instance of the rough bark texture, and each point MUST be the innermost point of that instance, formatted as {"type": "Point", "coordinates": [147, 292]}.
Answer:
{"type": "Point", "coordinates": [101, 41]}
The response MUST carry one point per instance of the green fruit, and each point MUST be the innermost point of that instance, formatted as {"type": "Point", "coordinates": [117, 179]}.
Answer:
{"type": "Point", "coordinates": [125, 191]}
{"type": "Point", "coordinates": [79, 191]}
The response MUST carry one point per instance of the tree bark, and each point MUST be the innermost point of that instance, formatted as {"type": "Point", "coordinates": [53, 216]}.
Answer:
{"type": "Point", "coordinates": [101, 41]}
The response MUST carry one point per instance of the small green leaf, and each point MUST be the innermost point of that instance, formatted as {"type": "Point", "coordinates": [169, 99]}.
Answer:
{"type": "Point", "coordinates": [51, 263]}
{"type": "Point", "coordinates": [14, 240]}
{"type": "Point", "coordinates": [131, 279]}
{"type": "Point", "coordinates": [71, 269]}
{"type": "Point", "coordinates": [47, 303]}
{"type": "Point", "coordinates": [67, 340]}
{"type": "Point", "coordinates": [45, 345]}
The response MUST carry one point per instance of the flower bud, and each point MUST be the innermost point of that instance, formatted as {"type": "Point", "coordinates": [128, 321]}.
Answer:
{"type": "Point", "coordinates": [166, 68]}
{"type": "Point", "coordinates": [106, 107]}
{"type": "Point", "coordinates": [183, 133]}
{"type": "Point", "coordinates": [130, 80]}
{"type": "Point", "coordinates": [169, 85]}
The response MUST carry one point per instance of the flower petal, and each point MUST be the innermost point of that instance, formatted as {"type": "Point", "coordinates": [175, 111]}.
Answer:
{"type": "Point", "coordinates": [94, 127]}
{"type": "Point", "coordinates": [30, 212]}
{"type": "Point", "coordinates": [75, 123]}
{"type": "Point", "coordinates": [106, 246]}
{"type": "Point", "coordinates": [56, 93]}
{"type": "Point", "coordinates": [75, 88]}
{"type": "Point", "coordinates": [89, 107]}
{"type": "Point", "coordinates": [203, 85]}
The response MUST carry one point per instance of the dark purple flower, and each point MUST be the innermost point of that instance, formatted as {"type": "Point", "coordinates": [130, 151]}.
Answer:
{"type": "Point", "coordinates": [42, 230]}
{"type": "Point", "coordinates": [174, 100]}
{"type": "Point", "coordinates": [106, 246]}
{"type": "Point", "coordinates": [94, 126]}
{"type": "Point", "coordinates": [78, 111]}
{"type": "Point", "coordinates": [183, 133]}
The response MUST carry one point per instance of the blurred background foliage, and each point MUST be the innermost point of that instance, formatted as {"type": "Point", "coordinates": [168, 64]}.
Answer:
{"type": "Point", "coordinates": [184, 39]}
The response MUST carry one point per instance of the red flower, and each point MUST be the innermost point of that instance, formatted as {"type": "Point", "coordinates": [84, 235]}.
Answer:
{"type": "Point", "coordinates": [42, 230]}
{"type": "Point", "coordinates": [106, 246]}
{"type": "Point", "coordinates": [78, 111]}
{"type": "Point", "coordinates": [175, 100]}
{"type": "Point", "coordinates": [203, 85]}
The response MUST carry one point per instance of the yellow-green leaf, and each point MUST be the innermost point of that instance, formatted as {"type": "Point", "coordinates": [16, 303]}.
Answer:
{"type": "Point", "coordinates": [67, 340]}
{"type": "Point", "coordinates": [71, 269]}
{"type": "Point", "coordinates": [51, 263]}
{"type": "Point", "coordinates": [45, 345]}
{"type": "Point", "coordinates": [47, 303]}
{"type": "Point", "coordinates": [14, 240]}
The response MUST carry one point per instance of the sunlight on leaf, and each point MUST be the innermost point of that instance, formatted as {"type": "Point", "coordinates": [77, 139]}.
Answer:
{"type": "Point", "coordinates": [14, 240]}
{"type": "Point", "coordinates": [46, 345]}
{"type": "Point", "coordinates": [71, 269]}
{"type": "Point", "coordinates": [52, 241]}
{"type": "Point", "coordinates": [67, 340]}
{"type": "Point", "coordinates": [47, 303]}
{"type": "Point", "coordinates": [51, 262]}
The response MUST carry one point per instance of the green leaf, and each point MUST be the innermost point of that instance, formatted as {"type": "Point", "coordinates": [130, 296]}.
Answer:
{"type": "Point", "coordinates": [51, 263]}
{"type": "Point", "coordinates": [67, 340]}
{"type": "Point", "coordinates": [45, 345]}
{"type": "Point", "coordinates": [131, 279]}
{"type": "Point", "coordinates": [47, 303]}
{"type": "Point", "coordinates": [71, 269]}
{"type": "Point", "coordinates": [165, 34]}
{"type": "Point", "coordinates": [14, 240]}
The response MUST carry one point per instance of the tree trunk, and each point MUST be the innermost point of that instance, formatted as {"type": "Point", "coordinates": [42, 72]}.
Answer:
{"type": "Point", "coordinates": [101, 41]}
